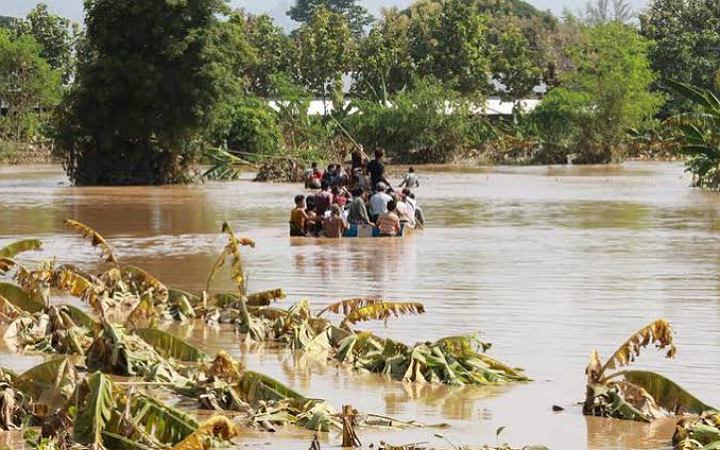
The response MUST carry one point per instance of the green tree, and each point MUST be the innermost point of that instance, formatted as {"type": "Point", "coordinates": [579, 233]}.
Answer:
{"type": "Point", "coordinates": [148, 75]}
{"type": "Point", "coordinates": [515, 65]}
{"type": "Point", "coordinates": [326, 52]}
{"type": "Point", "coordinates": [355, 14]}
{"type": "Point", "coordinates": [28, 85]}
{"type": "Point", "coordinates": [450, 44]}
{"type": "Point", "coordinates": [687, 39]}
{"type": "Point", "coordinates": [606, 95]}
{"type": "Point", "coordinates": [56, 36]}
{"type": "Point", "coordinates": [275, 54]}
{"type": "Point", "coordinates": [384, 66]}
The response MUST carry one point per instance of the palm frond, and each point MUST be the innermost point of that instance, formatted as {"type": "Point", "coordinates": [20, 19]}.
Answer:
{"type": "Point", "coordinates": [12, 250]}
{"type": "Point", "coordinates": [383, 311]}
{"type": "Point", "coordinates": [95, 239]}
{"type": "Point", "coordinates": [658, 332]}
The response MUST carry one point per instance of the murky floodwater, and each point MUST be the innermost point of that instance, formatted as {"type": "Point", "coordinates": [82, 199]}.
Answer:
{"type": "Point", "coordinates": [547, 263]}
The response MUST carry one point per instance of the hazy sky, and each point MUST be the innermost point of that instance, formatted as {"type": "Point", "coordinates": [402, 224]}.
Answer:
{"type": "Point", "coordinates": [276, 8]}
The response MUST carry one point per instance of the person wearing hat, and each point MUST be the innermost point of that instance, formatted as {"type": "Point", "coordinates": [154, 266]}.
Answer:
{"type": "Point", "coordinates": [379, 201]}
{"type": "Point", "coordinates": [334, 225]}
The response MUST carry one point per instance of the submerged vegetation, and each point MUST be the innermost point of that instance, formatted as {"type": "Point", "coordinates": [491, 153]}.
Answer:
{"type": "Point", "coordinates": [83, 397]}
{"type": "Point", "coordinates": [637, 394]}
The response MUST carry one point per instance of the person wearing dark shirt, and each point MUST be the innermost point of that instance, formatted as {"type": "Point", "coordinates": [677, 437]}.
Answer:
{"type": "Point", "coordinates": [377, 169]}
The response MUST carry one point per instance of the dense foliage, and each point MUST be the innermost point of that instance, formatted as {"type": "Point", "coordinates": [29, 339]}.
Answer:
{"type": "Point", "coordinates": [150, 88]}
{"type": "Point", "coordinates": [145, 83]}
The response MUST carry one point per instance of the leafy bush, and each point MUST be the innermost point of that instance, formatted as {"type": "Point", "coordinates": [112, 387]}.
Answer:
{"type": "Point", "coordinates": [247, 125]}
{"type": "Point", "coordinates": [425, 124]}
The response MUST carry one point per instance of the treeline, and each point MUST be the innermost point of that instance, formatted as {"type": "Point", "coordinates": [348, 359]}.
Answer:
{"type": "Point", "coordinates": [147, 89]}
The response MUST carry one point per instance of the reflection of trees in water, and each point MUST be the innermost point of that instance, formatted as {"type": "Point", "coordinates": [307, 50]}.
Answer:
{"type": "Point", "coordinates": [605, 433]}
{"type": "Point", "coordinates": [455, 402]}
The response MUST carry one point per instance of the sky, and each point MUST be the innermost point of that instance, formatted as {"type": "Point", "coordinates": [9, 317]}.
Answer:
{"type": "Point", "coordinates": [275, 8]}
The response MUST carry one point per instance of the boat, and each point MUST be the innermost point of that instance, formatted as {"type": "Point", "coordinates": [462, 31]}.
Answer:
{"type": "Point", "coordinates": [371, 231]}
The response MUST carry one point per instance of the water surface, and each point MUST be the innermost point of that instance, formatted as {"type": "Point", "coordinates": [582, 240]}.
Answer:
{"type": "Point", "coordinates": [547, 263]}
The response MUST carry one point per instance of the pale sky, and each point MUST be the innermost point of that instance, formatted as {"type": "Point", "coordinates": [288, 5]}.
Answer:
{"type": "Point", "coordinates": [276, 8]}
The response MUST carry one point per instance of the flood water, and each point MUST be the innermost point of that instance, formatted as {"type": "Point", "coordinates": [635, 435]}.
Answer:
{"type": "Point", "coordinates": [547, 263]}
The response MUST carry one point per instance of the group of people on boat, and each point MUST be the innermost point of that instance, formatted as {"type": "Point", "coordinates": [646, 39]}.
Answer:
{"type": "Point", "coordinates": [345, 205]}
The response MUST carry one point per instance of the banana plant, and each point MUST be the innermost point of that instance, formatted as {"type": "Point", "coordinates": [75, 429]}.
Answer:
{"type": "Point", "coordinates": [636, 394]}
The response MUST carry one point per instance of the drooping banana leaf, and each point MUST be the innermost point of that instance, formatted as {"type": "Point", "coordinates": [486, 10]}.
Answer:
{"type": "Point", "coordinates": [115, 441]}
{"type": "Point", "coordinates": [31, 303]}
{"type": "Point", "coordinates": [666, 393]}
{"type": "Point", "coordinates": [658, 332]}
{"type": "Point", "coordinates": [175, 293]}
{"type": "Point", "coordinates": [96, 240]}
{"type": "Point", "coordinates": [165, 423]}
{"type": "Point", "coordinates": [51, 383]}
{"type": "Point", "coordinates": [76, 285]}
{"type": "Point", "coordinates": [257, 387]}
{"type": "Point", "coordinates": [80, 317]}
{"type": "Point", "coordinates": [171, 346]}
{"type": "Point", "coordinates": [94, 411]}
{"type": "Point", "coordinates": [345, 306]}
{"type": "Point", "coordinates": [145, 281]}
{"type": "Point", "coordinates": [231, 249]}
{"type": "Point", "coordinates": [11, 250]}
{"type": "Point", "coordinates": [383, 311]}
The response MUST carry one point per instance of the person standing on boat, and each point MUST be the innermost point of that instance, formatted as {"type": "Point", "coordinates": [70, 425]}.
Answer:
{"type": "Point", "coordinates": [357, 211]}
{"type": "Point", "coordinates": [376, 168]}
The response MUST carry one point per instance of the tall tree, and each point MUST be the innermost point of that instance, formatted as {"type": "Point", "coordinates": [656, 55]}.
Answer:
{"type": "Point", "coordinates": [27, 85]}
{"type": "Point", "coordinates": [603, 11]}
{"type": "Point", "coordinates": [275, 54]}
{"type": "Point", "coordinates": [355, 14]}
{"type": "Point", "coordinates": [56, 36]}
{"type": "Point", "coordinates": [450, 44]}
{"type": "Point", "coordinates": [605, 95]}
{"type": "Point", "coordinates": [515, 65]}
{"type": "Point", "coordinates": [147, 79]}
{"type": "Point", "coordinates": [687, 39]}
{"type": "Point", "coordinates": [326, 52]}
{"type": "Point", "coordinates": [384, 66]}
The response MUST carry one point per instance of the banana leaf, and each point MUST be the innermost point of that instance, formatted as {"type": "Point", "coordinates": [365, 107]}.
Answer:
{"type": "Point", "coordinates": [170, 346]}
{"type": "Point", "coordinates": [51, 383]}
{"type": "Point", "coordinates": [115, 441]}
{"type": "Point", "coordinates": [80, 317]}
{"type": "Point", "coordinates": [265, 298]}
{"type": "Point", "coordinates": [165, 423]}
{"type": "Point", "coordinates": [665, 392]}
{"type": "Point", "coordinates": [31, 303]}
{"type": "Point", "coordinates": [11, 250]}
{"type": "Point", "coordinates": [658, 332]}
{"type": "Point", "coordinates": [174, 294]}
{"type": "Point", "coordinates": [96, 240]}
{"type": "Point", "coordinates": [94, 411]}
{"type": "Point", "coordinates": [382, 311]}
{"type": "Point", "coordinates": [256, 387]}
{"type": "Point", "coordinates": [215, 428]}
{"type": "Point", "coordinates": [145, 281]}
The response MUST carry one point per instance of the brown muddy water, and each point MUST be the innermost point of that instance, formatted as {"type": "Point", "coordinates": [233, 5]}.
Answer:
{"type": "Point", "coordinates": [546, 263]}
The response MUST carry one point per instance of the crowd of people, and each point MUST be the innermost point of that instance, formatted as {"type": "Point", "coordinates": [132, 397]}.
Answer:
{"type": "Point", "coordinates": [360, 197]}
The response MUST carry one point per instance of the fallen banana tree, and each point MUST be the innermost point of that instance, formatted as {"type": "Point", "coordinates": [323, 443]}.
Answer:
{"type": "Point", "coordinates": [698, 432]}
{"type": "Point", "coordinates": [637, 394]}
{"type": "Point", "coordinates": [122, 339]}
